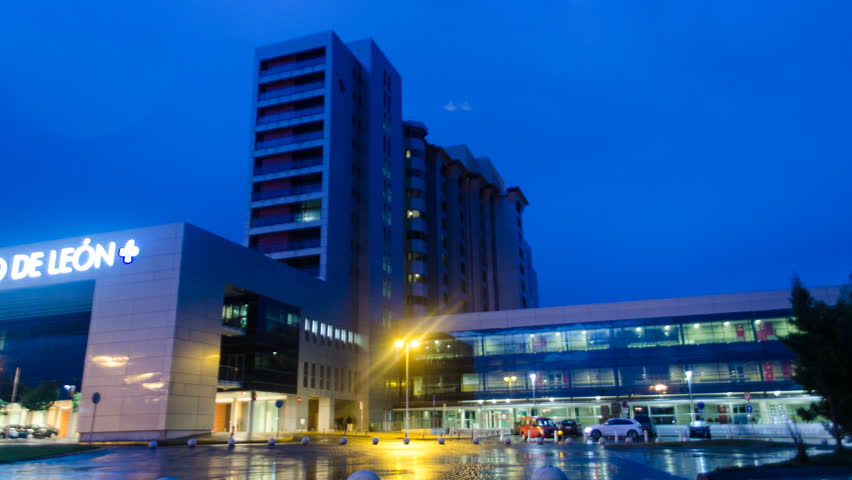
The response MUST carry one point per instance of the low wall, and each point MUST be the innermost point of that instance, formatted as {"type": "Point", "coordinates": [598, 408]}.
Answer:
{"type": "Point", "coordinates": [813, 433]}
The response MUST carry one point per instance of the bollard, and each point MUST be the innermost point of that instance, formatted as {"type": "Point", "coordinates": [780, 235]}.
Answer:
{"type": "Point", "coordinates": [363, 475]}
{"type": "Point", "coordinates": [405, 440]}
{"type": "Point", "coordinates": [555, 437]}
{"type": "Point", "coordinates": [616, 438]}
{"type": "Point", "coordinates": [271, 442]}
{"type": "Point", "coordinates": [231, 442]}
{"type": "Point", "coordinates": [548, 473]}
{"type": "Point", "coordinates": [628, 440]}
{"type": "Point", "coordinates": [645, 434]}
{"type": "Point", "coordinates": [659, 439]}
{"type": "Point", "coordinates": [375, 441]}
{"type": "Point", "coordinates": [476, 440]}
{"type": "Point", "coordinates": [540, 440]}
{"type": "Point", "coordinates": [441, 441]}
{"type": "Point", "coordinates": [507, 441]}
{"type": "Point", "coordinates": [306, 440]}
{"type": "Point", "coordinates": [191, 442]}
{"type": "Point", "coordinates": [152, 444]}
{"type": "Point", "coordinates": [343, 440]}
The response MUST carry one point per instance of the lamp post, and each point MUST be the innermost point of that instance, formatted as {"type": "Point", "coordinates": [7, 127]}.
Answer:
{"type": "Point", "coordinates": [510, 381]}
{"type": "Point", "coordinates": [407, 346]}
{"type": "Point", "coordinates": [532, 380]}
{"type": "Point", "coordinates": [688, 375]}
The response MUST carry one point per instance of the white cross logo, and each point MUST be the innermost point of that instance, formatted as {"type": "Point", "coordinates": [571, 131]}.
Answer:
{"type": "Point", "coordinates": [128, 251]}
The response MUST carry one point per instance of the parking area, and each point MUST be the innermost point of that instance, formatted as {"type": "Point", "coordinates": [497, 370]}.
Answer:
{"type": "Point", "coordinates": [392, 460]}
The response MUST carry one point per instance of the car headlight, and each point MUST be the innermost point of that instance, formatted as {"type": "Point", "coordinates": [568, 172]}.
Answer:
{"type": "Point", "coordinates": [587, 430]}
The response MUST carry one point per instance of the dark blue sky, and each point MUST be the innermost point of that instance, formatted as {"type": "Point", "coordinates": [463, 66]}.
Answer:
{"type": "Point", "coordinates": [667, 148]}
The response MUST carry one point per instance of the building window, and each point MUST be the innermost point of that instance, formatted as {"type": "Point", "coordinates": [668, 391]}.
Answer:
{"type": "Point", "coordinates": [386, 287]}
{"type": "Point", "coordinates": [305, 376]}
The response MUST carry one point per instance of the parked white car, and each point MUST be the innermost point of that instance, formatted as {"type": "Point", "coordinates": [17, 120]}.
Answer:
{"type": "Point", "coordinates": [623, 427]}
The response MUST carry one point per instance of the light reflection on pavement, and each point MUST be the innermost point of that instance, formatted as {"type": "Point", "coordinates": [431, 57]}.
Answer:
{"type": "Point", "coordinates": [391, 460]}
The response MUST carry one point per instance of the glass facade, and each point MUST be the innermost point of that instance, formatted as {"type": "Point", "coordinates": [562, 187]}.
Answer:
{"type": "Point", "coordinates": [625, 358]}
{"type": "Point", "coordinates": [264, 356]}
{"type": "Point", "coordinates": [44, 332]}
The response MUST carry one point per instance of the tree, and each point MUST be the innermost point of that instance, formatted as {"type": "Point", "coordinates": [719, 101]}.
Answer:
{"type": "Point", "coordinates": [40, 398]}
{"type": "Point", "coordinates": [823, 347]}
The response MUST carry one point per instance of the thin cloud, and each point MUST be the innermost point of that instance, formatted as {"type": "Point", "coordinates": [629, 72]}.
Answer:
{"type": "Point", "coordinates": [450, 106]}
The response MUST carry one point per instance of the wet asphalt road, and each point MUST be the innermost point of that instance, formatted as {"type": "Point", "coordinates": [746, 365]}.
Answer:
{"type": "Point", "coordinates": [392, 460]}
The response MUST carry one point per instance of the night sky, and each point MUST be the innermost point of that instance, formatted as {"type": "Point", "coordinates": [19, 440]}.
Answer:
{"type": "Point", "coordinates": [666, 148]}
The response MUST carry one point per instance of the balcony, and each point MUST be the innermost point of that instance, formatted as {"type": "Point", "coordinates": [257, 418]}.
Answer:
{"type": "Point", "coordinates": [230, 377]}
{"type": "Point", "coordinates": [286, 192]}
{"type": "Point", "coordinates": [287, 67]}
{"type": "Point", "coordinates": [266, 119]}
{"type": "Point", "coordinates": [417, 224]}
{"type": "Point", "coordinates": [301, 217]}
{"type": "Point", "coordinates": [283, 92]}
{"type": "Point", "coordinates": [288, 246]}
{"type": "Point", "coordinates": [292, 165]}
{"type": "Point", "coordinates": [305, 137]}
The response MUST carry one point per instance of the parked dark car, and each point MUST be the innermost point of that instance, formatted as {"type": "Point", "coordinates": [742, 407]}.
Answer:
{"type": "Point", "coordinates": [568, 427]}
{"type": "Point", "coordinates": [646, 422]}
{"type": "Point", "coordinates": [14, 431]}
{"type": "Point", "coordinates": [699, 429]}
{"type": "Point", "coordinates": [43, 431]}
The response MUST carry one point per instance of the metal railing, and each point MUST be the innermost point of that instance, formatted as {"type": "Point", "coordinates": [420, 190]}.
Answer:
{"type": "Point", "coordinates": [277, 117]}
{"type": "Point", "coordinates": [292, 165]}
{"type": "Point", "coordinates": [231, 374]}
{"type": "Point", "coordinates": [292, 66]}
{"type": "Point", "coordinates": [283, 92]}
{"type": "Point", "coordinates": [305, 137]}
{"type": "Point", "coordinates": [286, 192]}
{"type": "Point", "coordinates": [301, 217]}
{"type": "Point", "coordinates": [288, 246]}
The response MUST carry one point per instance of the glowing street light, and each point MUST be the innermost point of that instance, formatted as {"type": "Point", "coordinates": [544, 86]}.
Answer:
{"type": "Point", "coordinates": [407, 346]}
{"type": "Point", "coordinates": [532, 380]}
{"type": "Point", "coordinates": [688, 375]}
{"type": "Point", "coordinates": [510, 381]}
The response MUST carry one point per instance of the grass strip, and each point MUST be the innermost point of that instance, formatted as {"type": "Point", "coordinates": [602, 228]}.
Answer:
{"type": "Point", "coordinates": [20, 453]}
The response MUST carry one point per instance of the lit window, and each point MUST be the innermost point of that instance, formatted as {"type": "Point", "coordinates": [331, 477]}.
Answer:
{"type": "Point", "coordinates": [408, 153]}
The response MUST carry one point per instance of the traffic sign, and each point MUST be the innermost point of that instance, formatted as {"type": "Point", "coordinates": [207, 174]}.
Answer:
{"type": "Point", "coordinates": [624, 404]}
{"type": "Point", "coordinates": [747, 396]}
{"type": "Point", "coordinates": [96, 398]}
{"type": "Point", "coordinates": [299, 399]}
{"type": "Point", "coordinates": [700, 405]}
{"type": "Point", "coordinates": [279, 403]}
{"type": "Point", "coordinates": [749, 408]}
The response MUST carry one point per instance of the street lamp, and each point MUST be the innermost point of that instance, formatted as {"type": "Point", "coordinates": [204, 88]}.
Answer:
{"type": "Point", "coordinates": [532, 379]}
{"type": "Point", "coordinates": [407, 346]}
{"type": "Point", "coordinates": [510, 381]}
{"type": "Point", "coordinates": [688, 375]}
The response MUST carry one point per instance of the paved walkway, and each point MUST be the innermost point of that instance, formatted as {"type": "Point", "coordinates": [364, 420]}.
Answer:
{"type": "Point", "coordinates": [392, 460]}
